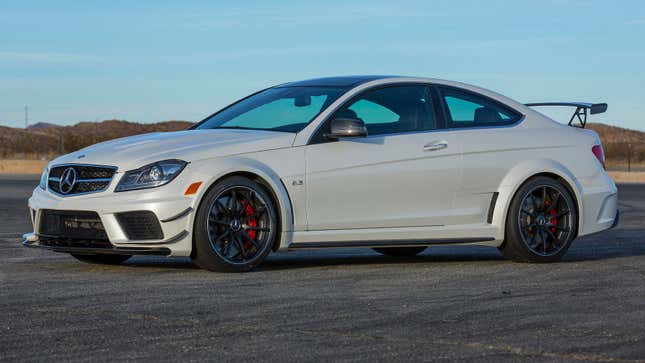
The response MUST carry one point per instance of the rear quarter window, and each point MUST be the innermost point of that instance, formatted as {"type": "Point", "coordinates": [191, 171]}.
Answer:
{"type": "Point", "coordinates": [468, 109]}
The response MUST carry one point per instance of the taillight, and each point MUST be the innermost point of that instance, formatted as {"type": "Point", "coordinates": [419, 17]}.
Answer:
{"type": "Point", "coordinates": [599, 153]}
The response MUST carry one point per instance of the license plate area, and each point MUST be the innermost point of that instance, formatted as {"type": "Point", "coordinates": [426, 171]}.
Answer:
{"type": "Point", "coordinates": [83, 225]}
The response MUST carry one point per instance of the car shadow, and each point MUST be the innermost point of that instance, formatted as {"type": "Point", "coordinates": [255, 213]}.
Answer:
{"type": "Point", "coordinates": [609, 245]}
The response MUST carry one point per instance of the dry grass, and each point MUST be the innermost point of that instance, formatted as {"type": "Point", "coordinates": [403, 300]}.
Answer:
{"type": "Point", "coordinates": [22, 166]}
{"type": "Point", "coordinates": [625, 177]}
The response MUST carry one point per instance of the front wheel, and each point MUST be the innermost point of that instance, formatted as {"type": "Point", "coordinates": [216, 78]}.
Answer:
{"type": "Point", "coordinates": [236, 226]}
{"type": "Point", "coordinates": [102, 259]}
{"type": "Point", "coordinates": [542, 222]}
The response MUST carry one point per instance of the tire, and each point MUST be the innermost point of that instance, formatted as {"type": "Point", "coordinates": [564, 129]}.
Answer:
{"type": "Point", "coordinates": [235, 227]}
{"type": "Point", "coordinates": [400, 251]}
{"type": "Point", "coordinates": [542, 222]}
{"type": "Point", "coordinates": [102, 259]}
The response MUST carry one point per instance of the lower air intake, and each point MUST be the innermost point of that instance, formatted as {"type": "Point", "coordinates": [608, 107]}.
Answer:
{"type": "Point", "coordinates": [140, 225]}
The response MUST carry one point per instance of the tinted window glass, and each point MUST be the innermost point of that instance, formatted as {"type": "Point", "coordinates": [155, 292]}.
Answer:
{"type": "Point", "coordinates": [392, 110]}
{"type": "Point", "coordinates": [465, 109]}
{"type": "Point", "coordinates": [287, 109]}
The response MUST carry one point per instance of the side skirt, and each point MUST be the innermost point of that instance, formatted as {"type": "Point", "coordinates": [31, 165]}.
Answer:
{"type": "Point", "coordinates": [395, 243]}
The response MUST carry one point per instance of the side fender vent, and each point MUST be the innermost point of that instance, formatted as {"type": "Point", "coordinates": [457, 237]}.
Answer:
{"type": "Point", "coordinates": [491, 208]}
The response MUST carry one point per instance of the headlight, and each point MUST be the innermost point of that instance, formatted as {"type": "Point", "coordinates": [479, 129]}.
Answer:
{"type": "Point", "coordinates": [151, 176]}
{"type": "Point", "coordinates": [43, 179]}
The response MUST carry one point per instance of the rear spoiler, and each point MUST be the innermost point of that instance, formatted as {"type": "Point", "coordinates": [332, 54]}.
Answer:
{"type": "Point", "coordinates": [582, 108]}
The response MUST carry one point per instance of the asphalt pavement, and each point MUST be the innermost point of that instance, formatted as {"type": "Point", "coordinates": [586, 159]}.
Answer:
{"type": "Point", "coordinates": [451, 303]}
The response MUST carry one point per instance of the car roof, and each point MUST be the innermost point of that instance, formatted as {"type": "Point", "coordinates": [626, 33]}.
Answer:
{"type": "Point", "coordinates": [343, 81]}
{"type": "Point", "coordinates": [357, 81]}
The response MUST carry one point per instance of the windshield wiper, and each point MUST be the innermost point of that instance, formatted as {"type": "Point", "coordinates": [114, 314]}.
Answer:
{"type": "Point", "coordinates": [235, 128]}
{"type": "Point", "coordinates": [245, 128]}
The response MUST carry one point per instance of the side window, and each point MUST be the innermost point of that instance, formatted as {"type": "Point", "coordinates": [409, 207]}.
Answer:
{"type": "Point", "coordinates": [392, 110]}
{"type": "Point", "coordinates": [465, 109]}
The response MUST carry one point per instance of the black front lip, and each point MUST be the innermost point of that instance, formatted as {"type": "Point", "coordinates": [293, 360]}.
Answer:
{"type": "Point", "coordinates": [159, 251]}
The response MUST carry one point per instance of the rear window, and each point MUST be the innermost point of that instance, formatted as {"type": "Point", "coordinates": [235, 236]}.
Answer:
{"type": "Point", "coordinates": [467, 109]}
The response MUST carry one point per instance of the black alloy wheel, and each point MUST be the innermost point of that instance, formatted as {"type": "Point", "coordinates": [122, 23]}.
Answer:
{"type": "Point", "coordinates": [237, 224]}
{"type": "Point", "coordinates": [542, 222]}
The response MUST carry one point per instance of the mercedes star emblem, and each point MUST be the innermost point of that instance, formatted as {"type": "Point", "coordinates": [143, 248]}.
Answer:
{"type": "Point", "coordinates": [67, 180]}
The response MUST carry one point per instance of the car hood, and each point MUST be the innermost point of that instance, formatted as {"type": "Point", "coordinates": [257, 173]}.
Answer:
{"type": "Point", "coordinates": [190, 145]}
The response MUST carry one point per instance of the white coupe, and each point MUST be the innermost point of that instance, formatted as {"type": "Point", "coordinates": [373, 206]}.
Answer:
{"type": "Point", "coordinates": [396, 164]}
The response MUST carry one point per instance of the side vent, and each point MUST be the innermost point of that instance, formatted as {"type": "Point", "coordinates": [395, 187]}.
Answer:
{"type": "Point", "coordinates": [491, 208]}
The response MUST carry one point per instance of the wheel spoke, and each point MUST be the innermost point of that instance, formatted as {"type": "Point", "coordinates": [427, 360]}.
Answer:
{"type": "Point", "coordinates": [259, 229]}
{"type": "Point", "coordinates": [226, 249]}
{"type": "Point", "coordinates": [543, 241]}
{"type": "Point", "coordinates": [226, 234]}
{"type": "Point", "coordinates": [222, 209]}
{"type": "Point", "coordinates": [527, 212]}
{"type": "Point", "coordinates": [561, 214]}
{"type": "Point", "coordinates": [247, 202]}
{"type": "Point", "coordinates": [555, 239]}
{"type": "Point", "coordinates": [554, 202]}
{"type": "Point", "coordinates": [559, 228]}
{"type": "Point", "coordinates": [248, 238]}
{"type": "Point", "coordinates": [220, 221]}
{"type": "Point", "coordinates": [240, 246]}
{"type": "Point", "coordinates": [232, 202]}
{"type": "Point", "coordinates": [535, 206]}
{"type": "Point", "coordinates": [259, 211]}
{"type": "Point", "coordinates": [543, 198]}
{"type": "Point", "coordinates": [535, 242]}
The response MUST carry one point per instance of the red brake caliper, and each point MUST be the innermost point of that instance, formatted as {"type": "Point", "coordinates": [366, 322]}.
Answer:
{"type": "Point", "coordinates": [552, 212]}
{"type": "Point", "coordinates": [252, 223]}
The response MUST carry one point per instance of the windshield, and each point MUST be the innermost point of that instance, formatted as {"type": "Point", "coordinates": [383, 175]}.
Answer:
{"type": "Point", "coordinates": [287, 109]}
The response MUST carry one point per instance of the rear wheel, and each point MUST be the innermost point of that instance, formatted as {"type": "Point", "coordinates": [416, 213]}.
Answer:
{"type": "Point", "coordinates": [236, 226]}
{"type": "Point", "coordinates": [542, 222]}
{"type": "Point", "coordinates": [102, 259]}
{"type": "Point", "coordinates": [400, 251]}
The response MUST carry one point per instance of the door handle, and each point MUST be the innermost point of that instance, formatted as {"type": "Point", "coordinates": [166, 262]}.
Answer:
{"type": "Point", "coordinates": [438, 145]}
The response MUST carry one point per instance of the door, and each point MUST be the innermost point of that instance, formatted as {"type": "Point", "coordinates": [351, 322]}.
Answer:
{"type": "Point", "coordinates": [401, 175]}
{"type": "Point", "coordinates": [490, 147]}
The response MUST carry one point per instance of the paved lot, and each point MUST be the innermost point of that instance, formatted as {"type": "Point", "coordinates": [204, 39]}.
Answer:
{"type": "Point", "coordinates": [451, 303]}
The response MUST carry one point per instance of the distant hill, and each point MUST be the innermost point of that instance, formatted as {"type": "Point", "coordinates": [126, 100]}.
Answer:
{"type": "Point", "coordinates": [41, 125]}
{"type": "Point", "coordinates": [622, 146]}
{"type": "Point", "coordinates": [44, 140]}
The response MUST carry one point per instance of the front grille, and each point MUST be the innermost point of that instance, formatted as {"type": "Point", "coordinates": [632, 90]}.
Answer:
{"type": "Point", "coordinates": [68, 180]}
{"type": "Point", "coordinates": [140, 225]}
{"type": "Point", "coordinates": [71, 225]}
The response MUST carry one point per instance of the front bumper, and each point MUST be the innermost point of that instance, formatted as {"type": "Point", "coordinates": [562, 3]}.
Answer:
{"type": "Point", "coordinates": [31, 240]}
{"type": "Point", "coordinates": [174, 211]}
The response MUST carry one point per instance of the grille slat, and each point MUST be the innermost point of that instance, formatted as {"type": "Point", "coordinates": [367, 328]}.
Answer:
{"type": "Point", "coordinates": [88, 179]}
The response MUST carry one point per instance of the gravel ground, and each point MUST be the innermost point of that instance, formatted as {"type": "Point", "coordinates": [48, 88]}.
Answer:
{"type": "Point", "coordinates": [450, 303]}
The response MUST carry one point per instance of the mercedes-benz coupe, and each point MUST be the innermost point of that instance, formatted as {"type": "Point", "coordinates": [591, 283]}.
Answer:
{"type": "Point", "coordinates": [396, 164]}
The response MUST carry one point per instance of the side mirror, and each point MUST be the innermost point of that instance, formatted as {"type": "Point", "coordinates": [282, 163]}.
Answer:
{"type": "Point", "coordinates": [347, 127]}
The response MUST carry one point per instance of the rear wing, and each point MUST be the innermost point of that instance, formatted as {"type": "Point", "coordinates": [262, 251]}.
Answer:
{"type": "Point", "coordinates": [582, 108]}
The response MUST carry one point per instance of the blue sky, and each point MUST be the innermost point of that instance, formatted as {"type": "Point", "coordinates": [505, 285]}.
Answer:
{"type": "Point", "coordinates": [148, 61]}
